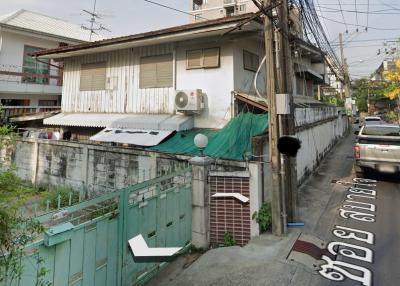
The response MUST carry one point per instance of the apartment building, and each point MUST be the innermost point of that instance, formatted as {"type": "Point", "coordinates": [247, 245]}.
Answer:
{"type": "Point", "coordinates": [212, 9]}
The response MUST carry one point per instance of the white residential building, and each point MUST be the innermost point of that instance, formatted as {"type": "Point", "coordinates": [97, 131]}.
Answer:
{"type": "Point", "coordinates": [27, 85]}
{"type": "Point", "coordinates": [135, 81]}
{"type": "Point", "coordinates": [213, 9]}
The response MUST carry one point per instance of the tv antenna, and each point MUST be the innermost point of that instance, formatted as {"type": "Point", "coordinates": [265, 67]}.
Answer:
{"type": "Point", "coordinates": [95, 26]}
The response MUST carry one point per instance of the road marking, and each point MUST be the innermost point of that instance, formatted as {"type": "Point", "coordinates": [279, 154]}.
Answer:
{"type": "Point", "coordinates": [351, 196]}
{"type": "Point", "coordinates": [333, 271]}
{"type": "Point", "coordinates": [140, 249]}
{"type": "Point", "coordinates": [370, 207]}
{"type": "Point", "coordinates": [351, 233]}
{"type": "Point", "coordinates": [238, 196]}
{"type": "Point", "coordinates": [356, 215]}
{"type": "Point", "coordinates": [362, 191]}
{"type": "Point", "coordinates": [368, 257]}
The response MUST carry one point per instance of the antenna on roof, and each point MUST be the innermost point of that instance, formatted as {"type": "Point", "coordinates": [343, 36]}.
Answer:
{"type": "Point", "coordinates": [94, 24]}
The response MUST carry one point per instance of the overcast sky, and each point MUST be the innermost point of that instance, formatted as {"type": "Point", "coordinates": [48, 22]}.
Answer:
{"type": "Point", "coordinates": [132, 16]}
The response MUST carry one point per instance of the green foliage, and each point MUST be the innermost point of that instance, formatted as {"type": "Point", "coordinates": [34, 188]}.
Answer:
{"type": "Point", "coordinates": [391, 117]}
{"type": "Point", "coordinates": [228, 239]}
{"type": "Point", "coordinates": [333, 100]}
{"type": "Point", "coordinates": [364, 89]}
{"type": "Point", "coordinates": [15, 233]}
{"type": "Point", "coordinates": [63, 194]}
{"type": "Point", "coordinates": [13, 191]}
{"type": "Point", "coordinates": [263, 217]}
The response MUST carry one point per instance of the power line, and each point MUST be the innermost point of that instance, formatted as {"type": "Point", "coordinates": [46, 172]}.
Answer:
{"type": "Point", "coordinates": [344, 21]}
{"type": "Point", "coordinates": [373, 28]}
{"type": "Point", "coordinates": [355, 6]}
{"type": "Point", "coordinates": [173, 9]}
{"type": "Point", "coordinates": [367, 16]}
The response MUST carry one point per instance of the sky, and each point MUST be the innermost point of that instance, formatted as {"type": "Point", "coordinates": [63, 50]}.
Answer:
{"type": "Point", "coordinates": [125, 17]}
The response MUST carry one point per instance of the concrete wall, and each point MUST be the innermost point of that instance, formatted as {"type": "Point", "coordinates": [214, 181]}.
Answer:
{"type": "Point", "coordinates": [96, 168]}
{"type": "Point", "coordinates": [317, 139]}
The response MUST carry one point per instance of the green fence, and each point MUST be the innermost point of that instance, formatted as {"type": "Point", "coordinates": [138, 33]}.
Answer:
{"type": "Point", "coordinates": [87, 244]}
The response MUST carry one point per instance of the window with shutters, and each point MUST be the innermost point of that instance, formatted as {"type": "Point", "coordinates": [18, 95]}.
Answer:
{"type": "Point", "coordinates": [203, 58]}
{"type": "Point", "coordinates": [93, 77]}
{"type": "Point", "coordinates": [250, 61]}
{"type": "Point", "coordinates": [156, 71]}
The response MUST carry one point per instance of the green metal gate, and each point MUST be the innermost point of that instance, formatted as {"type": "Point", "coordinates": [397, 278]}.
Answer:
{"type": "Point", "coordinates": [89, 246]}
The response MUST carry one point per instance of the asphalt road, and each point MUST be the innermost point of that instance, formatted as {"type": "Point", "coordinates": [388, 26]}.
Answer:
{"type": "Point", "coordinates": [381, 209]}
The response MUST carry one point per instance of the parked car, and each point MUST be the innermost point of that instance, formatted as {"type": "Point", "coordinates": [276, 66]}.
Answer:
{"type": "Point", "coordinates": [372, 120]}
{"type": "Point", "coordinates": [378, 148]}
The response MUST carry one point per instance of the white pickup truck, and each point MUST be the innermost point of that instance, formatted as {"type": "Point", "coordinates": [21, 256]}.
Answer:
{"type": "Point", "coordinates": [377, 148]}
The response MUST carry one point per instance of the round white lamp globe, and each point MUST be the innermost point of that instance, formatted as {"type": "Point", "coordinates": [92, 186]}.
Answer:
{"type": "Point", "coordinates": [201, 141]}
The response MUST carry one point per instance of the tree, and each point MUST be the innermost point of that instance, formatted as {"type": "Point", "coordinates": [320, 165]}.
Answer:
{"type": "Point", "coordinates": [393, 77]}
{"type": "Point", "coordinates": [368, 90]}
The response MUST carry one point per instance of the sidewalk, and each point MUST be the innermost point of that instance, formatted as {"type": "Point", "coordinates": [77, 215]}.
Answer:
{"type": "Point", "coordinates": [264, 260]}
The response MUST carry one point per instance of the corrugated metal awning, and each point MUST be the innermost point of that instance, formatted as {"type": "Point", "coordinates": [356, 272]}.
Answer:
{"type": "Point", "coordinates": [138, 137]}
{"type": "Point", "coordinates": [170, 122]}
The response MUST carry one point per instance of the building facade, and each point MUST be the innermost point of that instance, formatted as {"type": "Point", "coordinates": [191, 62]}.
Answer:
{"type": "Point", "coordinates": [28, 85]}
{"type": "Point", "coordinates": [213, 9]}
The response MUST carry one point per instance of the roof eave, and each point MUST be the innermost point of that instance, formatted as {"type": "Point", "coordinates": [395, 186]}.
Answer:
{"type": "Point", "coordinates": [155, 37]}
{"type": "Point", "coordinates": [49, 35]}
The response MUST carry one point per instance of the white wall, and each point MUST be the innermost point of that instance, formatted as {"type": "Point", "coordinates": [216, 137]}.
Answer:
{"type": "Point", "coordinates": [126, 97]}
{"type": "Point", "coordinates": [11, 59]}
{"type": "Point", "coordinates": [216, 84]}
{"type": "Point", "coordinates": [243, 79]}
{"type": "Point", "coordinates": [316, 142]}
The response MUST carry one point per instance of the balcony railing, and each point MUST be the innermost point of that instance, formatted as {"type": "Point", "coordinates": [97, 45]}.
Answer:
{"type": "Point", "coordinates": [27, 75]}
{"type": "Point", "coordinates": [228, 2]}
{"type": "Point", "coordinates": [8, 112]}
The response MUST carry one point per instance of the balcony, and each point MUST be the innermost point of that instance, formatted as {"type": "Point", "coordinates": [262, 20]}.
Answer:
{"type": "Point", "coordinates": [26, 113]}
{"type": "Point", "coordinates": [13, 79]}
{"type": "Point", "coordinates": [229, 3]}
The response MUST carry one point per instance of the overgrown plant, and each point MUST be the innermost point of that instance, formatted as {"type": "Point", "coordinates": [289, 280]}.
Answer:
{"type": "Point", "coordinates": [263, 217]}
{"type": "Point", "coordinates": [16, 232]}
{"type": "Point", "coordinates": [228, 239]}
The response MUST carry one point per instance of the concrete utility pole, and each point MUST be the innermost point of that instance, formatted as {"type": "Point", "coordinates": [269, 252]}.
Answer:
{"type": "Point", "coordinates": [273, 126]}
{"type": "Point", "coordinates": [285, 76]}
{"type": "Point", "coordinates": [344, 68]}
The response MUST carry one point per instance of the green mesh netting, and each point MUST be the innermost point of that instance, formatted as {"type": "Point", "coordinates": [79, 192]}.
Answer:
{"type": "Point", "coordinates": [231, 142]}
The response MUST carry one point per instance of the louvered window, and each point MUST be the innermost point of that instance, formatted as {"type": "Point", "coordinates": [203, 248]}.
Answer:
{"type": "Point", "coordinates": [250, 61]}
{"type": "Point", "coordinates": [204, 58]}
{"type": "Point", "coordinates": [156, 71]}
{"type": "Point", "coordinates": [93, 76]}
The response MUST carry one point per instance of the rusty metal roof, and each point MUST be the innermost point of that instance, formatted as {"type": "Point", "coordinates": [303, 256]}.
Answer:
{"type": "Point", "coordinates": [119, 41]}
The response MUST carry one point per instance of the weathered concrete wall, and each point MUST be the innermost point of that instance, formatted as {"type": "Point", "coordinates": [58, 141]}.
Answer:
{"type": "Point", "coordinates": [317, 140]}
{"type": "Point", "coordinates": [95, 168]}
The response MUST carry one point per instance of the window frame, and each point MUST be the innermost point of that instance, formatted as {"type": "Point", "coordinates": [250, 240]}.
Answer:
{"type": "Point", "coordinates": [25, 78]}
{"type": "Point", "coordinates": [105, 77]}
{"type": "Point", "coordinates": [157, 85]}
{"type": "Point", "coordinates": [202, 59]}
{"type": "Point", "coordinates": [246, 67]}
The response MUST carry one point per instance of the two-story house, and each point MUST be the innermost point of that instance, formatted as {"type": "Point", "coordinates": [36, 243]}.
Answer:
{"type": "Point", "coordinates": [198, 75]}
{"type": "Point", "coordinates": [28, 85]}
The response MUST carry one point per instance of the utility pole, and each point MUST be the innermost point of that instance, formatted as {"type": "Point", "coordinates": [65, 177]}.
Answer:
{"type": "Point", "coordinates": [285, 75]}
{"type": "Point", "coordinates": [273, 126]}
{"type": "Point", "coordinates": [345, 72]}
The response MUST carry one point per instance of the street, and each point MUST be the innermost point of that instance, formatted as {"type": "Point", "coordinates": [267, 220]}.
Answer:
{"type": "Point", "coordinates": [271, 260]}
{"type": "Point", "coordinates": [385, 248]}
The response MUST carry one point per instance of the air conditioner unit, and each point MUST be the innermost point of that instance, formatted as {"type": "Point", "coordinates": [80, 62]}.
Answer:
{"type": "Point", "coordinates": [189, 100]}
